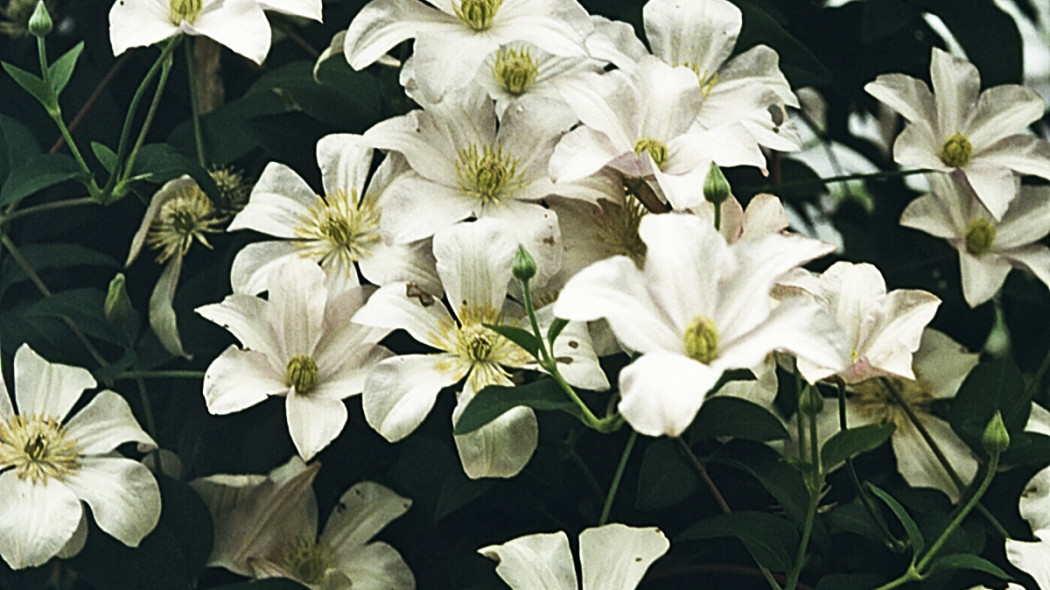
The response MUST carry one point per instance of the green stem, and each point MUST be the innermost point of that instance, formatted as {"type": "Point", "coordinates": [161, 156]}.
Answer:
{"type": "Point", "coordinates": [198, 136]}
{"type": "Point", "coordinates": [150, 114]}
{"type": "Point", "coordinates": [51, 206]}
{"type": "Point", "coordinates": [843, 178]}
{"type": "Point", "coordinates": [147, 408]}
{"type": "Point", "coordinates": [718, 216]}
{"type": "Point", "coordinates": [173, 374]}
{"type": "Point", "coordinates": [616, 478]}
{"type": "Point", "coordinates": [807, 532]}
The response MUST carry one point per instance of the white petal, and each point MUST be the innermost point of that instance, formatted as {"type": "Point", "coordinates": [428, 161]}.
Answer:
{"type": "Point", "coordinates": [535, 562]}
{"type": "Point", "coordinates": [908, 96]}
{"type": "Point", "coordinates": [379, 26]}
{"type": "Point", "coordinates": [994, 185]}
{"type": "Point", "coordinates": [473, 261]}
{"type": "Point", "coordinates": [123, 495]}
{"type": "Point", "coordinates": [105, 423]}
{"type": "Point", "coordinates": [1035, 258]}
{"type": "Point", "coordinates": [956, 84]}
{"type": "Point", "coordinates": [278, 202]}
{"type": "Point", "coordinates": [138, 24]}
{"type": "Point", "coordinates": [245, 317]}
{"type": "Point", "coordinates": [1001, 111]}
{"type": "Point", "coordinates": [617, 556]}
{"type": "Point", "coordinates": [1026, 221]}
{"type": "Point", "coordinates": [162, 316]}
{"type": "Point", "coordinates": [662, 392]}
{"type": "Point", "coordinates": [942, 364]}
{"type": "Point", "coordinates": [581, 153]}
{"type": "Point", "coordinates": [361, 513]}
{"type": "Point", "coordinates": [500, 448]}
{"type": "Point", "coordinates": [414, 208]}
{"type": "Point", "coordinates": [897, 331]}
{"type": "Point", "coordinates": [404, 306]}
{"type": "Point", "coordinates": [345, 160]}
{"type": "Point", "coordinates": [680, 266]}
{"type": "Point", "coordinates": [376, 566]}
{"type": "Point", "coordinates": [930, 213]}
{"type": "Point", "coordinates": [400, 391]}
{"type": "Point", "coordinates": [239, 379]}
{"type": "Point", "coordinates": [1034, 505]}
{"type": "Point", "coordinates": [310, 9]}
{"type": "Point", "coordinates": [47, 389]}
{"type": "Point", "coordinates": [1031, 558]}
{"type": "Point", "coordinates": [254, 263]}
{"type": "Point", "coordinates": [981, 276]}
{"type": "Point", "coordinates": [36, 521]}
{"type": "Point", "coordinates": [921, 468]}
{"type": "Point", "coordinates": [239, 25]}
{"type": "Point", "coordinates": [297, 302]}
{"type": "Point", "coordinates": [700, 32]}
{"type": "Point", "coordinates": [313, 422]}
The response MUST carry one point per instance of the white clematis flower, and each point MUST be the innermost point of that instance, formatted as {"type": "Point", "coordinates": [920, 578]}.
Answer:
{"type": "Point", "coordinates": [882, 330]}
{"type": "Point", "coordinates": [341, 229]}
{"type": "Point", "coordinates": [453, 37]}
{"type": "Point", "coordinates": [988, 248]}
{"type": "Point", "coordinates": [298, 344]}
{"type": "Point", "coordinates": [954, 129]}
{"type": "Point", "coordinates": [266, 526]}
{"type": "Point", "coordinates": [50, 465]}
{"type": "Point", "coordinates": [698, 308]}
{"type": "Point", "coordinates": [612, 557]}
{"type": "Point", "coordinates": [237, 24]}
{"type": "Point", "coordinates": [1033, 557]}
{"type": "Point", "coordinates": [522, 68]}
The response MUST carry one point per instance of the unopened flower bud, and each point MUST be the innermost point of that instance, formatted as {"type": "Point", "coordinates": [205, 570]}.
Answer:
{"type": "Point", "coordinates": [716, 187]}
{"type": "Point", "coordinates": [40, 23]}
{"type": "Point", "coordinates": [810, 402]}
{"type": "Point", "coordinates": [996, 439]}
{"type": "Point", "coordinates": [524, 267]}
{"type": "Point", "coordinates": [118, 309]}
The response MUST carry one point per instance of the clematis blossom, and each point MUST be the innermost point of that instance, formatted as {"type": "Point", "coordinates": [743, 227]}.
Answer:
{"type": "Point", "coordinates": [697, 308]}
{"type": "Point", "coordinates": [958, 129]}
{"type": "Point", "coordinates": [50, 465]}
{"type": "Point", "coordinates": [612, 557]}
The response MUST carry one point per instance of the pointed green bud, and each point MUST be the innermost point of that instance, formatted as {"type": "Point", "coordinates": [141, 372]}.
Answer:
{"type": "Point", "coordinates": [810, 402]}
{"type": "Point", "coordinates": [524, 267]}
{"type": "Point", "coordinates": [996, 439]}
{"type": "Point", "coordinates": [716, 187]}
{"type": "Point", "coordinates": [118, 309]}
{"type": "Point", "coordinates": [40, 23]}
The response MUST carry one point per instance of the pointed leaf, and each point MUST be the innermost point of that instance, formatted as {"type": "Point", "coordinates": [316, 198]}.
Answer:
{"type": "Point", "coordinates": [491, 402]}
{"type": "Point", "coordinates": [967, 561]}
{"type": "Point", "coordinates": [555, 329]}
{"type": "Point", "coordinates": [846, 443]}
{"type": "Point", "coordinates": [32, 84]}
{"type": "Point", "coordinates": [104, 155]}
{"type": "Point", "coordinates": [63, 67]}
{"type": "Point", "coordinates": [783, 481]}
{"type": "Point", "coordinates": [665, 477]}
{"type": "Point", "coordinates": [990, 386]}
{"type": "Point", "coordinates": [733, 416]}
{"type": "Point", "coordinates": [38, 173]}
{"type": "Point", "coordinates": [770, 539]}
{"type": "Point", "coordinates": [523, 338]}
{"type": "Point", "coordinates": [910, 528]}
{"type": "Point", "coordinates": [17, 144]}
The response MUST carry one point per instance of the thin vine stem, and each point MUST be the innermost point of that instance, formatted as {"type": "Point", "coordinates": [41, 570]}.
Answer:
{"type": "Point", "coordinates": [607, 508]}
{"type": "Point", "coordinates": [198, 136]}
{"type": "Point", "coordinates": [50, 206]}
{"type": "Point", "coordinates": [833, 179]}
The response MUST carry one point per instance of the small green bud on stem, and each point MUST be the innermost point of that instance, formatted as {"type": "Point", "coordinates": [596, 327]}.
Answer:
{"type": "Point", "coordinates": [810, 402]}
{"type": "Point", "coordinates": [40, 23]}
{"type": "Point", "coordinates": [524, 267]}
{"type": "Point", "coordinates": [716, 187]}
{"type": "Point", "coordinates": [996, 439]}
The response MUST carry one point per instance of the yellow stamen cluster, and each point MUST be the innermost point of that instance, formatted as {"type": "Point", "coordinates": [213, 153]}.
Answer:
{"type": "Point", "coordinates": [234, 189]}
{"type": "Point", "coordinates": [874, 399]}
{"type": "Point", "coordinates": [617, 228]}
{"type": "Point", "coordinates": [489, 175]}
{"type": "Point", "coordinates": [980, 236]}
{"type": "Point", "coordinates": [477, 14]}
{"type": "Point", "coordinates": [701, 340]}
{"type": "Point", "coordinates": [37, 447]}
{"type": "Point", "coordinates": [339, 228]}
{"type": "Point", "coordinates": [184, 10]}
{"type": "Point", "coordinates": [956, 151]}
{"type": "Point", "coordinates": [301, 373]}
{"type": "Point", "coordinates": [185, 217]}
{"type": "Point", "coordinates": [478, 350]}
{"type": "Point", "coordinates": [515, 69]}
{"type": "Point", "coordinates": [308, 560]}
{"type": "Point", "coordinates": [656, 148]}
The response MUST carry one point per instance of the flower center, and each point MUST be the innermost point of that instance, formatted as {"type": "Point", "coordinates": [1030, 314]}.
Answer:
{"type": "Point", "coordinates": [183, 10]}
{"type": "Point", "coordinates": [490, 175]}
{"type": "Point", "coordinates": [617, 228]}
{"type": "Point", "coordinates": [339, 228]}
{"type": "Point", "coordinates": [37, 448]}
{"type": "Point", "coordinates": [701, 339]}
{"type": "Point", "coordinates": [477, 14]}
{"type": "Point", "coordinates": [301, 373]}
{"type": "Point", "coordinates": [308, 560]}
{"type": "Point", "coordinates": [186, 217]}
{"type": "Point", "coordinates": [956, 151]}
{"type": "Point", "coordinates": [707, 83]}
{"type": "Point", "coordinates": [233, 188]}
{"type": "Point", "coordinates": [515, 69]}
{"type": "Point", "coordinates": [874, 399]}
{"type": "Point", "coordinates": [656, 148]}
{"type": "Point", "coordinates": [980, 235]}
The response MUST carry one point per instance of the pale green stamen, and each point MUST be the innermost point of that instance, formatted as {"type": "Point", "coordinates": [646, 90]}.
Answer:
{"type": "Point", "coordinates": [308, 561]}
{"type": "Point", "coordinates": [656, 148]}
{"type": "Point", "coordinates": [477, 14]}
{"type": "Point", "coordinates": [184, 10]}
{"type": "Point", "coordinates": [980, 235]}
{"type": "Point", "coordinates": [37, 448]}
{"type": "Point", "coordinates": [956, 151]}
{"type": "Point", "coordinates": [488, 176]}
{"type": "Point", "coordinates": [339, 229]}
{"type": "Point", "coordinates": [302, 373]}
{"type": "Point", "coordinates": [701, 340]}
{"type": "Point", "coordinates": [515, 69]}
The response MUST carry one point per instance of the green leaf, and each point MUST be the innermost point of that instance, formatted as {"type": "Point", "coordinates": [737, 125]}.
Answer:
{"type": "Point", "coordinates": [988, 35]}
{"type": "Point", "coordinates": [37, 173]}
{"type": "Point", "coordinates": [665, 477]}
{"type": "Point", "coordinates": [967, 561]}
{"type": "Point", "coordinates": [492, 401]}
{"type": "Point", "coordinates": [990, 386]}
{"type": "Point", "coordinates": [799, 64]}
{"type": "Point", "coordinates": [733, 416]}
{"type": "Point", "coordinates": [17, 144]}
{"type": "Point", "coordinates": [32, 84]}
{"type": "Point", "coordinates": [84, 306]}
{"type": "Point", "coordinates": [783, 481]}
{"type": "Point", "coordinates": [883, 18]}
{"type": "Point", "coordinates": [851, 582]}
{"type": "Point", "coordinates": [523, 338]}
{"type": "Point", "coordinates": [1027, 448]}
{"type": "Point", "coordinates": [555, 329]}
{"type": "Point", "coordinates": [910, 527]}
{"type": "Point", "coordinates": [169, 558]}
{"type": "Point", "coordinates": [846, 443]}
{"type": "Point", "coordinates": [770, 539]}
{"type": "Point", "coordinates": [105, 156]}
{"type": "Point", "coordinates": [63, 67]}
{"type": "Point", "coordinates": [162, 162]}
{"type": "Point", "coordinates": [49, 256]}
